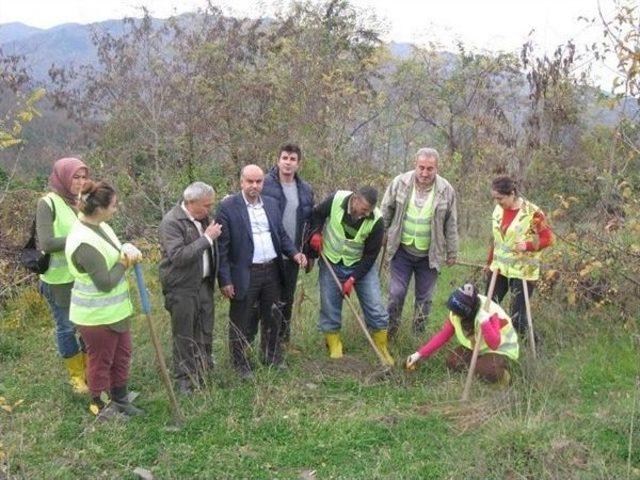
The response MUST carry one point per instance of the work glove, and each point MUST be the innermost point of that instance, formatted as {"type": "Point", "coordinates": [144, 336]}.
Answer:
{"type": "Point", "coordinates": [347, 286]}
{"type": "Point", "coordinates": [316, 242]}
{"type": "Point", "coordinates": [125, 259]}
{"type": "Point", "coordinates": [132, 252]}
{"type": "Point", "coordinates": [412, 361]}
{"type": "Point", "coordinates": [484, 316]}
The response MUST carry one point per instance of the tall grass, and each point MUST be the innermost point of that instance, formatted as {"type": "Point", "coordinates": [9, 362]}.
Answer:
{"type": "Point", "coordinates": [572, 415]}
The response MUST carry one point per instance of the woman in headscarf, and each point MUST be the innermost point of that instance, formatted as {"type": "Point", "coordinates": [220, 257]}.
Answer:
{"type": "Point", "coordinates": [55, 214]}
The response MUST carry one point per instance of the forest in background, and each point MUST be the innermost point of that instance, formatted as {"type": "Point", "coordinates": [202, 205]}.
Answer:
{"type": "Point", "coordinates": [200, 95]}
{"type": "Point", "coordinates": [197, 97]}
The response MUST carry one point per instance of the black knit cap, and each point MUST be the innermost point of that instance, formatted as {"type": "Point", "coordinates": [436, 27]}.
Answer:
{"type": "Point", "coordinates": [464, 301]}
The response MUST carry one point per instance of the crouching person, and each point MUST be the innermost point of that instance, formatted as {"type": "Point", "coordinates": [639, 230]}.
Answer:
{"type": "Point", "coordinates": [499, 339]}
{"type": "Point", "coordinates": [100, 305]}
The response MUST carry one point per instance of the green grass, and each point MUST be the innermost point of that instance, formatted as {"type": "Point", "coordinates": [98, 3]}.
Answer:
{"type": "Point", "coordinates": [569, 417]}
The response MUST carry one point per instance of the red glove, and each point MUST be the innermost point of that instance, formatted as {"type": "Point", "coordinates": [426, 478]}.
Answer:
{"type": "Point", "coordinates": [316, 242]}
{"type": "Point", "coordinates": [347, 286]}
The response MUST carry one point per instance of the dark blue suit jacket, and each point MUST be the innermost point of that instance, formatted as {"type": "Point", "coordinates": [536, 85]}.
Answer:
{"type": "Point", "coordinates": [235, 244]}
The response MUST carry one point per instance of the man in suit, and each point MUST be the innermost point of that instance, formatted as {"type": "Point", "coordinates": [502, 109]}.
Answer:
{"type": "Point", "coordinates": [251, 246]}
{"type": "Point", "coordinates": [187, 273]}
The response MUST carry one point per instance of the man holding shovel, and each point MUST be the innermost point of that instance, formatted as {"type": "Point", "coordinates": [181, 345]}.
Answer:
{"type": "Point", "coordinates": [348, 234]}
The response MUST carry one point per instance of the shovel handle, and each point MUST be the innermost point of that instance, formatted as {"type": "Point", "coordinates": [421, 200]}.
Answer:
{"type": "Point", "coordinates": [142, 288]}
{"type": "Point", "coordinates": [478, 338]}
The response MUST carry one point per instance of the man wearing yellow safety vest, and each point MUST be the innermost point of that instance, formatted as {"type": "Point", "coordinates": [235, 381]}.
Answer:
{"type": "Point", "coordinates": [351, 239]}
{"type": "Point", "coordinates": [419, 211]}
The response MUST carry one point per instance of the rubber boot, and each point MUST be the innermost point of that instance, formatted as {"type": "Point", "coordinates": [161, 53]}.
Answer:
{"type": "Point", "coordinates": [77, 376]}
{"type": "Point", "coordinates": [122, 404]}
{"type": "Point", "coordinates": [381, 340]}
{"type": "Point", "coordinates": [334, 344]}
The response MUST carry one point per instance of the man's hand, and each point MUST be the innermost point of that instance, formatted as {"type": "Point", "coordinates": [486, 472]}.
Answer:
{"type": "Point", "coordinates": [347, 286]}
{"type": "Point", "coordinates": [316, 242]}
{"type": "Point", "coordinates": [451, 261]}
{"type": "Point", "coordinates": [412, 361]}
{"type": "Point", "coordinates": [228, 291]}
{"type": "Point", "coordinates": [213, 231]}
{"type": "Point", "coordinates": [125, 260]}
{"type": "Point", "coordinates": [300, 259]}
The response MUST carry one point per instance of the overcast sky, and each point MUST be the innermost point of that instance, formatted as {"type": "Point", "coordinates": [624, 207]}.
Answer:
{"type": "Point", "coordinates": [483, 24]}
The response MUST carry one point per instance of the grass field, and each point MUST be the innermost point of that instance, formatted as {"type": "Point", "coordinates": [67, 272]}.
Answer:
{"type": "Point", "coordinates": [572, 415]}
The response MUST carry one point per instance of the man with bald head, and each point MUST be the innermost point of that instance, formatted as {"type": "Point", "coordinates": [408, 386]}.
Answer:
{"type": "Point", "coordinates": [251, 247]}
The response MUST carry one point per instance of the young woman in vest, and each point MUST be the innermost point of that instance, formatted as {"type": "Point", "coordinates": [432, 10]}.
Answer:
{"type": "Point", "coordinates": [499, 339]}
{"type": "Point", "coordinates": [56, 212]}
{"type": "Point", "coordinates": [100, 303]}
{"type": "Point", "coordinates": [520, 232]}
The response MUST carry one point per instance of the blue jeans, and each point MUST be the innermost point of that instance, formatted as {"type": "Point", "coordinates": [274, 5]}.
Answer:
{"type": "Point", "coordinates": [369, 294]}
{"type": "Point", "coordinates": [68, 344]}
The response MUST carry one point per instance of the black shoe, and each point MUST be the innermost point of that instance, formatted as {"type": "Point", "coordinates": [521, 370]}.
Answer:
{"type": "Point", "coordinates": [127, 408]}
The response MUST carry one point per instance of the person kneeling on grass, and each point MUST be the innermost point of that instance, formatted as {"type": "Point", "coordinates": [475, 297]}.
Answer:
{"type": "Point", "coordinates": [466, 313]}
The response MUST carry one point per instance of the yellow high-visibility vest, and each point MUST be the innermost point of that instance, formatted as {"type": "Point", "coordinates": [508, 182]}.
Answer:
{"type": "Point", "coordinates": [514, 264]}
{"type": "Point", "coordinates": [508, 337]}
{"type": "Point", "coordinates": [335, 244]}
{"type": "Point", "coordinates": [90, 306]}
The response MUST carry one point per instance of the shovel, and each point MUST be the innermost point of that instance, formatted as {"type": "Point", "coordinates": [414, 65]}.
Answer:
{"type": "Point", "coordinates": [478, 339]}
{"type": "Point", "coordinates": [146, 308]}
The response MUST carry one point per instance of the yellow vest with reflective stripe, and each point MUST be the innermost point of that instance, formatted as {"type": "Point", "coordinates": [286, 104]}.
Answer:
{"type": "Point", "coordinates": [513, 264]}
{"type": "Point", "coordinates": [90, 306]}
{"type": "Point", "coordinates": [416, 226]}
{"type": "Point", "coordinates": [508, 336]}
{"type": "Point", "coordinates": [335, 244]}
{"type": "Point", "coordinates": [65, 217]}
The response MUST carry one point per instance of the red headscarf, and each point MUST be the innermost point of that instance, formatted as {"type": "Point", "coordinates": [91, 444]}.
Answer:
{"type": "Point", "coordinates": [62, 176]}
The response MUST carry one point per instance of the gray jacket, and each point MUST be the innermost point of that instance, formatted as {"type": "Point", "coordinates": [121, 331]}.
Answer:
{"type": "Point", "coordinates": [182, 246]}
{"type": "Point", "coordinates": [444, 228]}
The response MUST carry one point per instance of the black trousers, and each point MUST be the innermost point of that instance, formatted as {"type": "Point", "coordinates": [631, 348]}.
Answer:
{"type": "Point", "coordinates": [290, 281]}
{"type": "Point", "coordinates": [518, 311]}
{"type": "Point", "coordinates": [191, 326]}
{"type": "Point", "coordinates": [264, 291]}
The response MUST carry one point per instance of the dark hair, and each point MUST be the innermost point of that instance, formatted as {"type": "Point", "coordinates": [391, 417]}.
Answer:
{"type": "Point", "coordinates": [504, 185]}
{"type": "Point", "coordinates": [370, 194]}
{"type": "Point", "coordinates": [94, 195]}
{"type": "Point", "coordinates": [291, 148]}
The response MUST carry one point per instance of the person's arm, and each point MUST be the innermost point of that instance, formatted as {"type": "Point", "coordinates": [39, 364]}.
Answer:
{"type": "Point", "coordinates": [451, 228]}
{"type": "Point", "coordinates": [491, 331]}
{"type": "Point", "coordinates": [320, 214]}
{"type": "Point", "coordinates": [372, 246]}
{"type": "Point", "coordinates": [224, 243]}
{"type": "Point", "coordinates": [543, 232]}
{"type": "Point", "coordinates": [437, 341]}
{"type": "Point", "coordinates": [172, 241]}
{"type": "Point", "coordinates": [89, 260]}
{"type": "Point", "coordinates": [388, 205]}
{"type": "Point", "coordinates": [44, 229]}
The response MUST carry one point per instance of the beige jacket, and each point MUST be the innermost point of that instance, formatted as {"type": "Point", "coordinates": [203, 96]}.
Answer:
{"type": "Point", "coordinates": [444, 227]}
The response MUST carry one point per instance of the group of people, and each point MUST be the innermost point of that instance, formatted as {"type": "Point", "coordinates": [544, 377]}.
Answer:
{"type": "Point", "coordinates": [255, 247]}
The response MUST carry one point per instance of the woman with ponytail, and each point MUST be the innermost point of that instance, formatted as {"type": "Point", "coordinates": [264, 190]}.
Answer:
{"type": "Point", "coordinates": [100, 306]}
{"type": "Point", "coordinates": [520, 233]}
{"type": "Point", "coordinates": [56, 212]}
